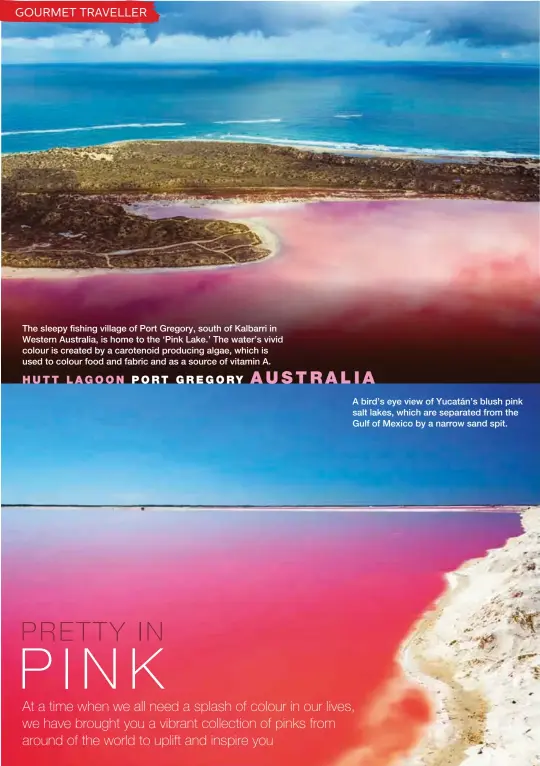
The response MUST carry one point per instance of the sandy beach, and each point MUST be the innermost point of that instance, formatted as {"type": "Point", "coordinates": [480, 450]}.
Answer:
{"type": "Point", "coordinates": [477, 656]}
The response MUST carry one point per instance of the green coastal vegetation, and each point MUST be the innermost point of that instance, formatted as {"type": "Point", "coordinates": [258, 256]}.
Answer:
{"type": "Point", "coordinates": [214, 167]}
{"type": "Point", "coordinates": [66, 208]}
{"type": "Point", "coordinates": [71, 231]}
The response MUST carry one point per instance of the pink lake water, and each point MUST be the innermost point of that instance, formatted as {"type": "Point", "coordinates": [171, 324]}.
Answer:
{"type": "Point", "coordinates": [414, 290]}
{"type": "Point", "coordinates": [255, 606]}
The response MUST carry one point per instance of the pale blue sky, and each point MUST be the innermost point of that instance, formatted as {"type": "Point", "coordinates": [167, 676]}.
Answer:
{"type": "Point", "coordinates": [255, 445]}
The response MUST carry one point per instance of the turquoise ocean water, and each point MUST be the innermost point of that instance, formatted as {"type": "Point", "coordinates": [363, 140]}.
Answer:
{"type": "Point", "coordinates": [426, 108]}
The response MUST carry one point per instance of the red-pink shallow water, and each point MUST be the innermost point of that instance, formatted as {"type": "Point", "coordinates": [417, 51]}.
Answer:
{"type": "Point", "coordinates": [399, 280]}
{"type": "Point", "coordinates": [410, 248]}
{"type": "Point", "coordinates": [275, 606]}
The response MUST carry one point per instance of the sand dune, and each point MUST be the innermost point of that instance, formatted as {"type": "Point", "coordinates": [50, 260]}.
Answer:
{"type": "Point", "coordinates": [477, 654]}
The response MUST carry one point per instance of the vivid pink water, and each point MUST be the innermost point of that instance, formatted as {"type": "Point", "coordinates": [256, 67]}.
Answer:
{"type": "Point", "coordinates": [255, 606]}
{"type": "Point", "coordinates": [386, 286]}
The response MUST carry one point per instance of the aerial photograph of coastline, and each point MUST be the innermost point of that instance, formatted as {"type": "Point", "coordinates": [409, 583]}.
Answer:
{"type": "Point", "coordinates": [361, 176]}
{"type": "Point", "coordinates": [418, 625]}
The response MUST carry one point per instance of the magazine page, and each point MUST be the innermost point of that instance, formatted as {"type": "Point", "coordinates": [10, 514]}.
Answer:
{"type": "Point", "coordinates": [271, 192]}
{"type": "Point", "coordinates": [270, 383]}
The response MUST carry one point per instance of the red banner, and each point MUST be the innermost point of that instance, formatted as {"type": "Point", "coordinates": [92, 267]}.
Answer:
{"type": "Point", "coordinates": [77, 12]}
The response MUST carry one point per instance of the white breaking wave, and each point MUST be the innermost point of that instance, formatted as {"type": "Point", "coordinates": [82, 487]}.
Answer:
{"type": "Point", "coordinates": [348, 116]}
{"type": "Point", "coordinates": [332, 146]}
{"type": "Point", "coordinates": [336, 146]}
{"type": "Point", "coordinates": [97, 127]}
{"type": "Point", "coordinates": [288, 141]}
{"type": "Point", "coordinates": [246, 122]}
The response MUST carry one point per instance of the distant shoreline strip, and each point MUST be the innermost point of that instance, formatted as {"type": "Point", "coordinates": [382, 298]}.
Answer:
{"type": "Point", "coordinates": [493, 509]}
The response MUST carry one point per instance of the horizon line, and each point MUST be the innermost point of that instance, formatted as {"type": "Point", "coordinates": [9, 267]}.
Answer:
{"type": "Point", "coordinates": [214, 62]}
{"type": "Point", "coordinates": [492, 508]}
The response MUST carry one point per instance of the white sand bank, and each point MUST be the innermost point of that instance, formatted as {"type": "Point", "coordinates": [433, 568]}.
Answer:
{"type": "Point", "coordinates": [477, 654]}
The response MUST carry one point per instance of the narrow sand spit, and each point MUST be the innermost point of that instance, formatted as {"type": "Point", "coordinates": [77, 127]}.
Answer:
{"type": "Point", "coordinates": [477, 654]}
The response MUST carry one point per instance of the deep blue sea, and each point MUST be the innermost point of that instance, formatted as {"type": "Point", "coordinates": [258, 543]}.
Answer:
{"type": "Point", "coordinates": [491, 109]}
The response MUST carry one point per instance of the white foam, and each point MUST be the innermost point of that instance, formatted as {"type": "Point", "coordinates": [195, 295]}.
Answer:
{"type": "Point", "coordinates": [348, 116]}
{"type": "Point", "coordinates": [97, 127]}
{"type": "Point", "coordinates": [376, 148]}
{"type": "Point", "coordinates": [246, 122]}
{"type": "Point", "coordinates": [332, 146]}
{"type": "Point", "coordinates": [287, 141]}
